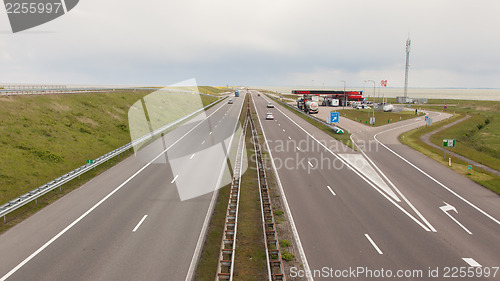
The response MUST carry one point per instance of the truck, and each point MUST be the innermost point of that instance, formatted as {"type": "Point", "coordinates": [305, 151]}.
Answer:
{"type": "Point", "coordinates": [329, 101]}
{"type": "Point", "coordinates": [236, 93]}
{"type": "Point", "coordinates": [311, 107]}
{"type": "Point", "coordinates": [307, 105]}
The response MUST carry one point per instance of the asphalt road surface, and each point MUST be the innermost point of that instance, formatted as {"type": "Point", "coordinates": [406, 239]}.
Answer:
{"type": "Point", "coordinates": [387, 210]}
{"type": "Point", "coordinates": [130, 223]}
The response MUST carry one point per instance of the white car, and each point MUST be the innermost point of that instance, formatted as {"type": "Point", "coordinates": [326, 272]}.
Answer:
{"type": "Point", "coordinates": [362, 106]}
{"type": "Point", "coordinates": [230, 101]}
{"type": "Point", "coordinates": [269, 116]}
{"type": "Point", "coordinates": [270, 105]}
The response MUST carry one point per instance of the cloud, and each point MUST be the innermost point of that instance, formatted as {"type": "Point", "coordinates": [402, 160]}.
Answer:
{"type": "Point", "coordinates": [258, 42]}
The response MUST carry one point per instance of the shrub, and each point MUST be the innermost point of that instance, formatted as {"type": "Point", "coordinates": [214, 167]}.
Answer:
{"type": "Point", "coordinates": [278, 212]}
{"type": "Point", "coordinates": [285, 243]}
{"type": "Point", "coordinates": [285, 255]}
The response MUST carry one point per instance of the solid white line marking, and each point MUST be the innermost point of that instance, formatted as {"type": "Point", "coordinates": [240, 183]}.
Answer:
{"type": "Point", "coordinates": [396, 189]}
{"type": "Point", "coordinates": [139, 224]}
{"type": "Point", "coordinates": [446, 208]}
{"type": "Point", "coordinates": [174, 178]}
{"type": "Point", "coordinates": [191, 156]}
{"type": "Point", "coordinates": [285, 201]}
{"type": "Point", "coordinates": [359, 174]}
{"type": "Point", "coordinates": [435, 180]}
{"type": "Point", "coordinates": [197, 250]}
{"type": "Point", "coordinates": [373, 244]}
{"type": "Point", "coordinates": [329, 188]}
{"type": "Point", "coordinates": [472, 262]}
{"type": "Point", "coordinates": [310, 164]}
{"type": "Point", "coordinates": [34, 254]}
{"type": "Point", "coordinates": [461, 225]}
{"type": "Point", "coordinates": [359, 162]}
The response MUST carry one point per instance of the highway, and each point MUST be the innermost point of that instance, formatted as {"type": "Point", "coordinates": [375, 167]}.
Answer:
{"type": "Point", "coordinates": [130, 223]}
{"type": "Point", "coordinates": [375, 210]}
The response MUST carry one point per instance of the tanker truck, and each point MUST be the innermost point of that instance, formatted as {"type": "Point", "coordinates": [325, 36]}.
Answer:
{"type": "Point", "coordinates": [307, 105]}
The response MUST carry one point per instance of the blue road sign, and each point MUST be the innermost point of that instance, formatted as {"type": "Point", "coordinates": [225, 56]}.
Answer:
{"type": "Point", "coordinates": [334, 117]}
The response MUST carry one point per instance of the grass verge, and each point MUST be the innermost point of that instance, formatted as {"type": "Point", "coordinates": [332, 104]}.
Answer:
{"type": "Point", "coordinates": [381, 118]}
{"type": "Point", "coordinates": [285, 235]}
{"type": "Point", "coordinates": [29, 209]}
{"type": "Point", "coordinates": [250, 257]}
{"type": "Point", "coordinates": [45, 136]}
{"type": "Point", "coordinates": [209, 259]}
{"type": "Point", "coordinates": [478, 137]}
{"type": "Point", "coordinates": [412, 139]}
{"type": "Point", "coordinates": [212, 90]}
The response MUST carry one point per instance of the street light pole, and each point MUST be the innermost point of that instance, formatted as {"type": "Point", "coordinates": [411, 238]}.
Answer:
{"type": "Point", "coordinates": [343, 104]}
{"type": "Point", "coordinates": [373, 97]}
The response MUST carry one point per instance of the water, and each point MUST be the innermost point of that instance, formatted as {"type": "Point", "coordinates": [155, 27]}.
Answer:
{"type": "Point", "coordinates": [462, 94]}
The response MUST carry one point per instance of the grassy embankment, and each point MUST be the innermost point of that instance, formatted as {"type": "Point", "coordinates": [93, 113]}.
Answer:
{"type": "Point", "coordinates": [212, 90]}
{"type": "Point", "coordinates": [477, 138]}
{"type": "Point", "coordinates": [45, 136]}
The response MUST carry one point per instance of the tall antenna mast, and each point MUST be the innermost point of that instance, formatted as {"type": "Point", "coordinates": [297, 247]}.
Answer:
{"type": "Point", "coordinates": [408, 43]}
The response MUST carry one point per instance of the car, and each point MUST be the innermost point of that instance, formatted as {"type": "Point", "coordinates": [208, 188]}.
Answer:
{"type": "Point", "coordinates": [270, 105]}
{"type": "Point", "coordinates": [362, 106]}
{"type": "Point", "coordinates": [258, 95]}
{"type": "Point", "coordinates": [230, 101]}
{"type": "Point", "coordinates": [269, 116]}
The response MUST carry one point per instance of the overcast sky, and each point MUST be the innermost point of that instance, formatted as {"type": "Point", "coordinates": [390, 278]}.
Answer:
{"type": "Point", "coordinates": [455, 43]}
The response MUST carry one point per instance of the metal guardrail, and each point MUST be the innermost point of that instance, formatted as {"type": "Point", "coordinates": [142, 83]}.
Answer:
{"type": "Point", "coordinates": [36, 193]}
{"type": "Point", "coordinates": [334, 128]}
{"type": "Point", "coordinates": [225, 267]}
{"type": "Point", "coordinates": [273, 254]}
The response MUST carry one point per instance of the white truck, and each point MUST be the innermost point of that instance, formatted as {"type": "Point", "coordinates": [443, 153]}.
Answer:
{"type": "Point", "coordinates": [311, 107]}
{"type": "Point", "coordinates": [307, 105]}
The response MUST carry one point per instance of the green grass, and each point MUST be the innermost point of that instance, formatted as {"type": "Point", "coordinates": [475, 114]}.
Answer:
{"type": "Point", "coordinates": [27, 210]}
{"type": "Point", "coordinates": [471, 142]}
{"type": "Point", "coordinates": [212, 90]}
{"type": "Point", "coordinates": [381, 118]}
{"type": "Point", "coordinates": [250, 258]}
{"type": "Point", "coordinates": [209, 259]}
{"type": "Point", "coordinates": [43, 137]}
{"type": "Point", "coordinates": [207, 265]}
{"type": "Point", "coordinates": [412, 139]}
{"type": "Point", "coordinates": [478, 138]}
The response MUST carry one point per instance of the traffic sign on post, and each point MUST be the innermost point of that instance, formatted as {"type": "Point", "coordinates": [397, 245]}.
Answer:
{"type": "Point", "coordinates": [448, 143]}
{"type": "Point", "coordinates": [90, 161]}
{"type": "Point", "coordinates": [334, 117]}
